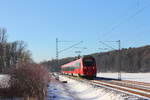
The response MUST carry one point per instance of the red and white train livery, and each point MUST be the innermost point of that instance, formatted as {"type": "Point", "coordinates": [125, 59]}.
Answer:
{"type": "Point", "coordinates": [85, 66]}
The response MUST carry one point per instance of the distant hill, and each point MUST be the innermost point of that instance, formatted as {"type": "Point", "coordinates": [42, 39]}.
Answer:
{"type": "Point", "coordinates": [128, 60]}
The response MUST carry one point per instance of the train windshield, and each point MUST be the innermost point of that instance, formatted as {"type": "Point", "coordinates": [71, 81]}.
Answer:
{"type": "Point", "coordinates": [89, 62]}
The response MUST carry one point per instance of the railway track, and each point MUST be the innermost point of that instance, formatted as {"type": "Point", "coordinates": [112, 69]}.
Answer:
{"type": "Point", "coordinates": [132, 84]}
{"type": "Point", "coordinates": [139, 89]}
{"type": "Point", "coordinates": [136, 82]}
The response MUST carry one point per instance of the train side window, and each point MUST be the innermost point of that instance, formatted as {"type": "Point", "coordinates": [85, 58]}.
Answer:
{"type": "Point", "coordinates": [78, 64]}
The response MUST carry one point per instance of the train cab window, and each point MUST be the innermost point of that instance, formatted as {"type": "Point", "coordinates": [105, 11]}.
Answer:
{"type": "Point", "coordinates": [89, 62]}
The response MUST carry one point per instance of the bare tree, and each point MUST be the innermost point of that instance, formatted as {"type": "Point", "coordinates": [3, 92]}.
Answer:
{"type": "Point", "coordinates": [13, 52]}
{"type": "Point", "coordinates": [3, 36]}
{"type": "Point", "coordinates": [3, 40]}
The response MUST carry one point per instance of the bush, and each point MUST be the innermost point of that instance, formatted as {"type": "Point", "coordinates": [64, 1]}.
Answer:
{"type": "Point", "coordinates": [29, 80]}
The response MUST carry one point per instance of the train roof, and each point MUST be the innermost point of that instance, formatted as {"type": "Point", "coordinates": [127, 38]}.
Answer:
{"type": "Point", "coordinates": [72, 61]}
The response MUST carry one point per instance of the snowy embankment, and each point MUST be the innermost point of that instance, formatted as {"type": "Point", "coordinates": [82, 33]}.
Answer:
{"type": "Point", "coordinates": [88, 92]}
{"type": "Point", "coordinates": [58, 91]}
{"type": "Point", "coordinates": [142, 77]}
{"type": "Point", "coordinates": [75, 90]}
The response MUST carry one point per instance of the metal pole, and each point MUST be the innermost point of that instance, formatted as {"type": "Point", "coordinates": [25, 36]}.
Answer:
{"type": "Point", "coordinates": [56, 52]}
{"type": "Point", "coordinates": [119, 54]}
{"type": "Point", "coordinates": [119, 72]}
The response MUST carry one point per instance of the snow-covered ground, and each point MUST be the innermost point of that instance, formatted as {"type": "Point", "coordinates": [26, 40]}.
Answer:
{"type": "Point", "coordinates": [142, 77]}
{"type": "Point", "coordinates": [57, 91]}
{"type": "Point", "coordinates": [74, 90]}
{"type": "Point", "coordinates": [4, 80]}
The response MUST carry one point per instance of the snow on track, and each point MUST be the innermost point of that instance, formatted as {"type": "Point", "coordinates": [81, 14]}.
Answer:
{"type": "Point", "coordinates": [88, 92]}
{"type": "Point", "coordinates": [124, 89]}
{"type": "Point", "coordinates": [75, 90]}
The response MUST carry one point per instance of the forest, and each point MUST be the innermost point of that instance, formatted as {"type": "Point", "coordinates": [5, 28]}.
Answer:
{"type": "Point", "coordinates": [127, 60]}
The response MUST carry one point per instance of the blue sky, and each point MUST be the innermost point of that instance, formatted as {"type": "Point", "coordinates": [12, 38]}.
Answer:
{"type": "Point", "coordinates": [39, 22]}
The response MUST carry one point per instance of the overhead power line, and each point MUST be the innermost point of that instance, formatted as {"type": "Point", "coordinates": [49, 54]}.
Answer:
{"type": "Point", "coordinates": [119, 49]}
{"type": "Point", "coordinates": [107, 45]}
{"type": "Point", "coordinates": [127, 19]}
{"type": "Point", "coordinates": [70, 46]}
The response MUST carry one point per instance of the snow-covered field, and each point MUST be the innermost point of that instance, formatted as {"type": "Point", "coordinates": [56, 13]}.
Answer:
{"type": "Point", "coordinates": [74, 90]}
{"type": "Point", "coordinates": [142, 77]}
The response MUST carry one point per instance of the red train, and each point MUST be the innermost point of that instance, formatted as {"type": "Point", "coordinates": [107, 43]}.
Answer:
{"type": "Point", "coordinates": [85, 66]}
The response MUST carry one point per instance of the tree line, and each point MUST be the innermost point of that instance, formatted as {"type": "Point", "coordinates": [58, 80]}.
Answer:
{"type": "Point", "coordinates": [12, 52]}
{"type": "Point", "coordinates": [26, 79]}
{"type": "Point", "coordinates": [126, 60]}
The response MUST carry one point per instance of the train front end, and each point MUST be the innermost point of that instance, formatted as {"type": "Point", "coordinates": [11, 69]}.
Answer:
{"type": "Point", "coordinates": [89, 67]}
